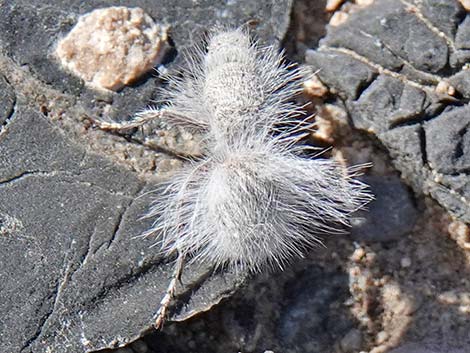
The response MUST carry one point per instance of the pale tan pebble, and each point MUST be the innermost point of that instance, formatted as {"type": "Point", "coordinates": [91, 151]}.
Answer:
{"type": "Point", "coordinates": [396, 302]}
{"type": "Point", "coordinates": [465, 298]}
{"type": "Point", "coordinates": [466, 246]}
{"type": "Point", "coordinates": [314, 87]}
{"type": "Point", "coordinates": [464, 309]}
{"type": "Point", "coordinates": [382, 337]}
{"type": "Point", "coordinates": [404, 307]}
{"type": "Point", "coordinates": [168, 165]}
{"type": "Point", "coordinates": [465, 4]}
{"type": "Point", "coordinates": [451, 91]}
{"type": "Point", "coordinates": [354, 271]}
{"type": "Point", "coordinates": [459, 230]}
{"type": "Point", "coordinates": [460, 233]}
{"type": "Point", "coordinates": [358, 254]}
{"type": "Point", "coordinates": [443, 87]}
{"type": "Point", "coordinates": [324, 130]}
{"type": "Point", "coordinates": [112, 47]}
{"type": "Point", "coordinates": [338, 18]}
{"type": "Point", "coordinates": [333, 5]}
{"type": "Point", "coordinates": [334, 113]}
{"type": "Point", "coordinates": [449, 297]}
{"type": "Point", "coordinates": [331, 122]}
{"type": "Point", "coordinates": [405, 262]}
{"type": "Point", "coordinates": [364, 3]}
{"type": "Point", "coordinates": [360, 279]}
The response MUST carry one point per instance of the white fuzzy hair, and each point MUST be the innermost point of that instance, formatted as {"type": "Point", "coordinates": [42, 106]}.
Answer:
{"type": "Point", "coordinates": [252, 201]}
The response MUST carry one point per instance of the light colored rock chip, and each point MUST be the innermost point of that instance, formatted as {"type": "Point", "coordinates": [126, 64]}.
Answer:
{"type": "Point", "coordinates": [364, 2]}
{"type": "Point", "coordinates": [333, 5]}
{"type": "Point", "coordinates": [111, 47]}
{"type": "Point", "coordinates": [465, 4]}
{"type": "Point", "coordinates": [338, 18]}
{"type": "Point", "coordinates": [314, 87]}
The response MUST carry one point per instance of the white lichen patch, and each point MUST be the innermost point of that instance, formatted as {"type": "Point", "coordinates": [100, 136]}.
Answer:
{"type": "Point", "coordinates": [112, 47]}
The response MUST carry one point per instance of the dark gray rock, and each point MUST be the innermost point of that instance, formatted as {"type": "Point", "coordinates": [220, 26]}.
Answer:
{"type": "Point", "coordinates": [448, 142]}
{"type": "Point", "coordinates": [443, 14]}
{"type": "Point", "coordinates": [72, 276]}
{"type": "Point", "coordinates": [310, 320]}
{"type": "Point", "coordinates": [412, 52]}
{"type": "Point", "coordinates": [462, 38]}
{"type": "Point", "coordinates": [347, 76]}
{"type": "Point", "coordinates": [390, 216]}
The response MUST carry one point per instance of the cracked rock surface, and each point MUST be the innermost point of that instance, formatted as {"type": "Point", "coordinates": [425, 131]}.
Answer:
{"type": "Point", "coordinates": [400, 70]}
{"type": "Point", "coordinates": [72, 277]}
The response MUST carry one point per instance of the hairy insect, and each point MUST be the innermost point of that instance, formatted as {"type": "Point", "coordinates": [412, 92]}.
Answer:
{"type": "Point", "coordinates": [252, 200]}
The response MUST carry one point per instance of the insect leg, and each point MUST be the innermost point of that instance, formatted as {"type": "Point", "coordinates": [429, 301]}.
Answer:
{"type": "Point", "coordinates": [170, 292]}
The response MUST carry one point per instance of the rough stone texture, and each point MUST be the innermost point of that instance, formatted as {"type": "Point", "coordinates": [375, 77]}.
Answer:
{"type": "Point", "coordinates": [311, 319]}
{"type": "Point", "coordinates": [7, 100]}
{"type": "Point", "coordinates": [72, 278]}
{"type": "Point", "coordinates": [69, 262]}
{"type": "Point", "coordinates": [391, 215]}
{"type": "Point", "coordinates": [112, 47]}
{"type": "Point", "coordinates": [406, 81]}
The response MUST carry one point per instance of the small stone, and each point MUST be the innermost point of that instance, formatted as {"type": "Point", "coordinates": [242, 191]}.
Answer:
{"type": "Point", "coordinates": [459, 229]}
{"type": "Point", "coordinates": [364, 3]}
{"type": "Point", "coordinates": [314, 87]}
{"type": "Point", "coordinates": [405, 262]}
{"type": "Point", "coordinates": [449, 297]}
{"type": "Point", "coordinates": [333, 5]}
{"type": "Point", "coordinates": [390, 216]}
{"type": "Point", "coordinates": [443, 87]}
{"type": "Point", "coordinates": [381, 337]}
{"type": "Point", "coordinates": [358, 254]}
{"type": "Point", "coordinates": [460, 232]}
{"type": "Point", "coordinates": [338, 18]}
{"type": "Point", "coordinates": [324, 130]}
{"type": "Point", "coordinates": [112, 47]}
{"type": "Point", "coordinates": [465, 4]}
